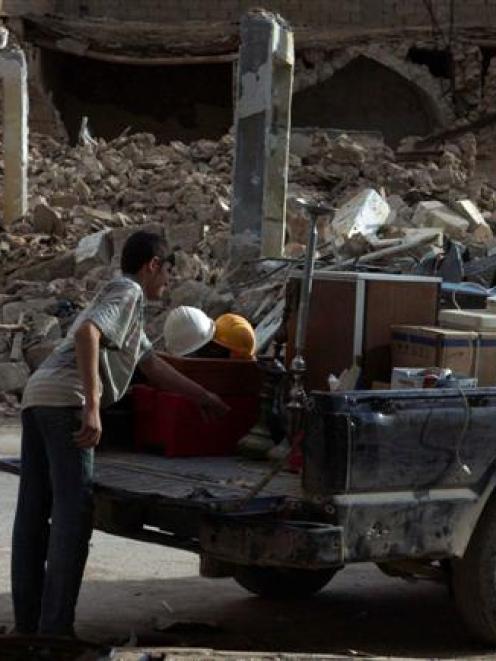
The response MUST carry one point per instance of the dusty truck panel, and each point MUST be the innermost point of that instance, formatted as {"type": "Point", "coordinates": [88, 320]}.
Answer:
{"type": "Point", "coordinates": [406, 473]}
{"type": "Point", "coordinates": [284, 537]}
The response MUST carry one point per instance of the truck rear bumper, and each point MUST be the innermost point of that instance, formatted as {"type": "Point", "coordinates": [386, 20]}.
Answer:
{"type": "Point", "coordinates": [256, 540]}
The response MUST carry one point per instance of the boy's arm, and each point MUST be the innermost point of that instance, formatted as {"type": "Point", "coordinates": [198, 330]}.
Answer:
{"type": "Point", "coordinates": [163, 376]}
{"type": "Point", "coordinates": [87, 343]}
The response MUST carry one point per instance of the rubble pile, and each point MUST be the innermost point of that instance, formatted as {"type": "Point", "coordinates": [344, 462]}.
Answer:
{"type": "Point", "coordinates": [416, 192]}
{"type": "Point", "coordinates": [86, 200]}
{"type": "Point", "coordinates": [127, 182]}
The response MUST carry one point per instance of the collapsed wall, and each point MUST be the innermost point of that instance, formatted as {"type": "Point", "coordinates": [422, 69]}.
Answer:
{"type": "Point", "coordinates": [86, 200]}
{"type": "Point", "coordinates": [167, 68]}
{"type": "Point", "coordinates": [86, 196]}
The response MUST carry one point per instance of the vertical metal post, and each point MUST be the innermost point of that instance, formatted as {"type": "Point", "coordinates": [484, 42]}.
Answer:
{"type": "Point", "coordinates": [306, 288]}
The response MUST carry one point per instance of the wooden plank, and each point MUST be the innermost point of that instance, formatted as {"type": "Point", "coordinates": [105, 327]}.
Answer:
{"type": "Point", "coordinates": [330, 332]}
{"type": "Point", "coordinates": [390, 303]}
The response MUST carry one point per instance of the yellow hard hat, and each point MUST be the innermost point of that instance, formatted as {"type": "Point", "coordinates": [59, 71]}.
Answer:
{"type": "Point", "coordinates": [236, 334]}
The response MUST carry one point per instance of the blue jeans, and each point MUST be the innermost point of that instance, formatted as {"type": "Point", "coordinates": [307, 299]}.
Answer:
{"type": "Point", "coordinates": [53, 521]}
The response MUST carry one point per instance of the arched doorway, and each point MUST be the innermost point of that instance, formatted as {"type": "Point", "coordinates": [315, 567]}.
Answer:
{"type": "Point", "coordinates": [176, 102]}
{"type": "Point", "coordinates": [367, 95]}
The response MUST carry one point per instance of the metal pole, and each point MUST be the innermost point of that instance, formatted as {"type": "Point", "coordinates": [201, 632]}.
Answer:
{"type": "Point", "coordinates": [297, 394]}
{"type": "Point", "coordinates": [306, 288]}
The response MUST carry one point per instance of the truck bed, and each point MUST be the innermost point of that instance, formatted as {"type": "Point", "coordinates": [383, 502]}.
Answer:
{"type": "Point", "coordinates": [192, 478]}
{"type": "Point", "coordinates": [157, 499]}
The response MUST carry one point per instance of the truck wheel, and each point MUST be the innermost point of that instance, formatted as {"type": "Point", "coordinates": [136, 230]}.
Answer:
{"type": "Point", "coordinates": [474, 579]}
{"type": "Point", "coordinates": [279, 583]}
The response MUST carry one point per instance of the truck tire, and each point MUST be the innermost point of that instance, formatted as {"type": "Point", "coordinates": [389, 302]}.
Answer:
{"type": "Point", "coordinates": [280, 583]}
{"type": "Point", "coordinates": [474, 579]}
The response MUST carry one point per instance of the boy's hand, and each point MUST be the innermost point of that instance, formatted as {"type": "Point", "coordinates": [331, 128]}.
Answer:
{"type": "Point", "coordinates": [212, 406]}
{"type": "Point", "coordinates": [91, 428]}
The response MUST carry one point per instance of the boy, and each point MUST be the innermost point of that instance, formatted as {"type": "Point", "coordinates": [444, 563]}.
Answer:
{"type": "Point", "coordinates": [61, 426]}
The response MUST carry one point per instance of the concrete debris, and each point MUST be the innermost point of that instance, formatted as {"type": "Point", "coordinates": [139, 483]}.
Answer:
{"type": "Point", "coordinates": [44, 327]}
{"type": "Point", "coordinates": [480, 229]}
{"type": "Point", "coordinates": [192, 292]}
{"type": "Point", "coordinates": [11, 311]}
{"type": "Point", "coordinates": [294, 250]}
{"type": "Point", "coordinates": [185, 236]}
{"type": "Point", "coordinates": [188, 267]}
{"type": "Point", "coordinates": [256, 302]}
{"type": "Point", "coordinates": [422, 211]}
{"type": "Point", "coordinates": [61, 266]}
{"type": "Point", "coordinates": [453, 225]}
{"type": "Point", "coordinates": [13, 377]}
{"type": "Point", "coordinates": [36, 354]}
{"type": "Point", "coordinates": [64, 200]}
{"type": "Point", "coordinates": [391, 210]}
{"type": "Point", "coordinates": [358, 219]}
{"type": "Point", "coordinates": [93, 250]}
{"type": "Point", "coordinates": [437, 214]}
{"type": "Point", "coordinates": [347, 152]}
{"type": "Point", "coordinates": [468, 209]}
{"type": "Point", "coordinates": [47, 220]}
{"type": "Point", "coordinates": [297, 224]}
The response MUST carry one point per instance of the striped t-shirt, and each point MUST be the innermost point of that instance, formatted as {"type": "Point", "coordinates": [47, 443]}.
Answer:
{"type": "Point", "coordinates": [118, 311]}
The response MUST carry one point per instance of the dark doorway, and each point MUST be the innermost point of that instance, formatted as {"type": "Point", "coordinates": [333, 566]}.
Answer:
{"type": "Point", "coordinates": [184, 102]}
{"type": "Point", "coordinates": [365, 95]}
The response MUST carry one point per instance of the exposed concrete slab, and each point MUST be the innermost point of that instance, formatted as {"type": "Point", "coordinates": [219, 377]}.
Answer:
{"type": "Point", "coordinates": [13, 71]}
{"type": "Point", "coordinates": [265, 76]}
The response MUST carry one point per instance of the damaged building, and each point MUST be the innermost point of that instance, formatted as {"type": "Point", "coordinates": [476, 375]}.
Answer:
{"type": "Point", "coordinates": [401, 67]}
{"type": "Point", "coordinates": [157, 82]}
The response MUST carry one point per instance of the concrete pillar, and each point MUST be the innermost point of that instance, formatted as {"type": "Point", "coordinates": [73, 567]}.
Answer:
{"type": "Point", "coordinates": [13, 72]}
{"type": "Point", "coordinates": [262, 129]}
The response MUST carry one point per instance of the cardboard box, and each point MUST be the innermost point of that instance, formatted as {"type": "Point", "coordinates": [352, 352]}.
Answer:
{"type": "Point", "coordinates": [465, 352]}
{"type": "Point", "coordinates": [429, 346]}
{"type": "Point", "coordinates": [486, 359]}
{"type": "Point", "coordinates": [472, 320]}
{"type": "Point", "coordinates": [381, 385]}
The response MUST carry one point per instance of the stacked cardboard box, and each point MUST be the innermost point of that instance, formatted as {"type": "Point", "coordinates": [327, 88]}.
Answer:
{"type": "Point", "coordinates": [468, 353]}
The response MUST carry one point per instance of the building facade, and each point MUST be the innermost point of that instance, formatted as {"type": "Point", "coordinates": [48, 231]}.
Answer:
{"type": "Point", "coordinates": [402, 67]}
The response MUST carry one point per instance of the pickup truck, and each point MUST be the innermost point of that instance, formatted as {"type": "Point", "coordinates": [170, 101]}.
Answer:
{"type": "Point", "coordinates": [403, 478]}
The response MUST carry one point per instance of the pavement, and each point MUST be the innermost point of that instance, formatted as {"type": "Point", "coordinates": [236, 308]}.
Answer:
{"type": "Point", "coordinates": [151, 595]}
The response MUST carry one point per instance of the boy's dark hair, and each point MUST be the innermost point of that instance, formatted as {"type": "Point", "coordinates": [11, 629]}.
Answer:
{"type": "Point", "coordinates": [139, 249]}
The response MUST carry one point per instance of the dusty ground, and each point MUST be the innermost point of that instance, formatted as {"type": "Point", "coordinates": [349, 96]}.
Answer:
{"type": "Point", "coordinates": [135, 589]}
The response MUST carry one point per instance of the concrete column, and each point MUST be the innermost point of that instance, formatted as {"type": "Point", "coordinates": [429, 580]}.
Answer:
{"type": "Point", "coordinates": [13, 72]}
{"type": "Point", "coordinates": [262, 129]}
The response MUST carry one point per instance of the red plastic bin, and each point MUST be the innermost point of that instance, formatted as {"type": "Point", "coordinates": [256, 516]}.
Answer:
{"type": "Point", "coordinates": [223, 376]}
{"type": "Point", "coordinates": [174, 424]}
{"type": "Point", "coordinates": [143, 404]}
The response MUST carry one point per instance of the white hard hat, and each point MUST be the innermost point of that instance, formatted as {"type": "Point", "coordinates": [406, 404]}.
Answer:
{"type": "Point", "coordinates": [187, 329]}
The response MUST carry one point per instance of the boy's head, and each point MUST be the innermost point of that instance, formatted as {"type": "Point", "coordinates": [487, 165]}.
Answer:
{"type": "Point", "coordinates": [146, 257]}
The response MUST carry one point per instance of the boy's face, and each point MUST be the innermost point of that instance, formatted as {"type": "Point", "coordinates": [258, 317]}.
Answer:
{"type": "Point", "coordinates": [156, 278]}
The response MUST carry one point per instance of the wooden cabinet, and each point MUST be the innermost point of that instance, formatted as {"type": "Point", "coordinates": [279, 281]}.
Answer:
{"type": "Point", "coordinates": [350, 319]}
